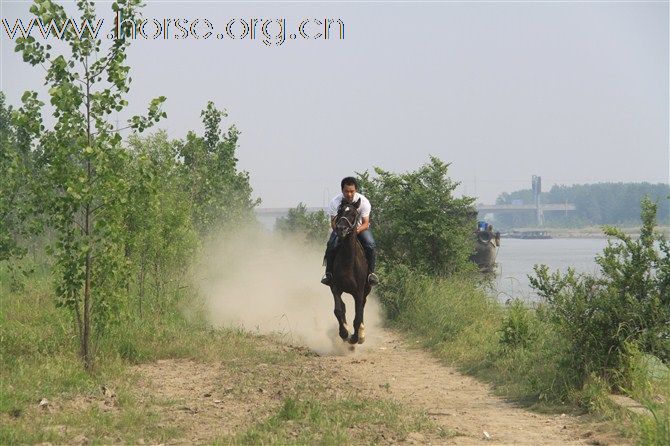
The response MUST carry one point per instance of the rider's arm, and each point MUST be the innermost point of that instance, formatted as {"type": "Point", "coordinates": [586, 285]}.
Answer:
{"type": "Point", "coordinates": [332, 222]}
{"type": "Point", "coordinates": [364, 225]}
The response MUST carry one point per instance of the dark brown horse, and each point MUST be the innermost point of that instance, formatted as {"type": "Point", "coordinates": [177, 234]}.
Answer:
{"type": "Point", "coordinates": [350, 272]}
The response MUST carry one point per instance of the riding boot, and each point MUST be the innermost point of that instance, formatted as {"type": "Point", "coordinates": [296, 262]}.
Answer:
{"type": "Point", "coordinates": [371, 257]}
{"type": "Point", "coordinates": [329, 258]}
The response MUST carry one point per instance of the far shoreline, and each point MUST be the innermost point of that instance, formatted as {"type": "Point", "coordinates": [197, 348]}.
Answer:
{"type": "Point", "coordinates": [591, 232]}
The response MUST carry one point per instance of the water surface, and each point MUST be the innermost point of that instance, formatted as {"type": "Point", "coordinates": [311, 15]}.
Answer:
{"type": "Point", "coordinates": [516, 258]}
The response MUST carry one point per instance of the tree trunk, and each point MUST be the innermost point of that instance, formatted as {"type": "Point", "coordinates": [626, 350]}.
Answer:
{"type": "Point", "coordinates": [86, 333]}
{"type": "Point", "coordinates": [142, 279]}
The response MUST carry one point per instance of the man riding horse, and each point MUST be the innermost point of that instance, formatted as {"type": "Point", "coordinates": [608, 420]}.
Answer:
{"type": "Point", "coordinates": [350, 195]}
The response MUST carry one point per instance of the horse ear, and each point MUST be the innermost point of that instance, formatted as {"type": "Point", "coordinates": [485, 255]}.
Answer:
{"type": "Point", "coordinates": [357, 203]}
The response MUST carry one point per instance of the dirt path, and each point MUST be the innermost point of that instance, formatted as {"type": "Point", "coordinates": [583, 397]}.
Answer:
{"type": "Point", "coordinates": [457, 402]}
{"type": "Point", "coordinates": [210, 401]}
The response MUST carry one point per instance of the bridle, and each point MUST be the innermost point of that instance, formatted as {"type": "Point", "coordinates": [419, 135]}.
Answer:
{"type": "Point", "coordinates": [345, 218]}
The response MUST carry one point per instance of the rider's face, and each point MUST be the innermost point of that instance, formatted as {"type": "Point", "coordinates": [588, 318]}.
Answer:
{"type": "Point", "coordinates": [348, 191]}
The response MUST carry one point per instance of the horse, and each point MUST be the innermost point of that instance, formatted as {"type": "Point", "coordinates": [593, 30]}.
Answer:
{"type": "Point", "coordinates": [350, 272]}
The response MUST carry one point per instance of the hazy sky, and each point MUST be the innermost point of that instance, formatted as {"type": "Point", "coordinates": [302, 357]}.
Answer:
{"type": "Point", "coordinates": [575, 92]}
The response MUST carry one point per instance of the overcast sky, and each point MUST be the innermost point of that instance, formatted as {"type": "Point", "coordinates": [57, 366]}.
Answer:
{"type": "Point", "coordinates": [575, 92]}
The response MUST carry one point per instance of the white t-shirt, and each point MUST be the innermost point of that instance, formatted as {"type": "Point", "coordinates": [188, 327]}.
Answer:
{"type": "Point", "coordinates": [363, 210]}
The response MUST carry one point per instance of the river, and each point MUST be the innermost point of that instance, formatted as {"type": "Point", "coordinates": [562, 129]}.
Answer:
{"type": "Point", "coordinates": [516, 258]}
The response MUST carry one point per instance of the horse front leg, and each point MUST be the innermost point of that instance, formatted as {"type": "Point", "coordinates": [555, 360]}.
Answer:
{"type": "Point", "coordinates": [359, 328]}
{"type": "Point", "coordinates": [341, 314]}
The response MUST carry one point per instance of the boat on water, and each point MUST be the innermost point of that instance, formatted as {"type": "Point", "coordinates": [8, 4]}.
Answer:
{"type": "Point", "coordinates": [528, 235]}
{"type": "Point", "coordinates": [487, 243]}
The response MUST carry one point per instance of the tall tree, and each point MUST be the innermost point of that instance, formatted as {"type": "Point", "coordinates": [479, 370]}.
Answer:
{"type": "Point", "coordinates": [83, 159]}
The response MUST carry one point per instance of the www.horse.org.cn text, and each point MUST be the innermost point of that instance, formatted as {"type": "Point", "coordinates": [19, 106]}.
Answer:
{"type": "Point", "coordinates": [270, 32]}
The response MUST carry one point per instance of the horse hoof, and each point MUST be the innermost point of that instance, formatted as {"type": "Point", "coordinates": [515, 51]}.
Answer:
{"type": "Point", "coordinates": [361, 334]}
{"type": "Point", "coordinates": [344, 333]}
{"type": "Point", "coordinates": [361, 339]}
{"type": "Point", "coordinates": [353, 340]}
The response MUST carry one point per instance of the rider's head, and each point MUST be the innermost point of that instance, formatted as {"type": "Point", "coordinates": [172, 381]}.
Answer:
{"type": "Point", "coordinates": [349, 188]}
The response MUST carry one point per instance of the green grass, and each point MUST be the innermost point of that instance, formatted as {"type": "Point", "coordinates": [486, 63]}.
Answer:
{"type": "Point", "coordinates": [126, 425]}
{"type": "Point", "coordinates": [654, 430]}
{"type": "Point", "coordinates": [309, 420]}
{"type": "Point", "coordinates": [648, 381]}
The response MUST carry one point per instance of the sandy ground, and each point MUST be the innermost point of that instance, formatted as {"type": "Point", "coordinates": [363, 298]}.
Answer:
{"type": "Point", "coordinates": [209, 402]}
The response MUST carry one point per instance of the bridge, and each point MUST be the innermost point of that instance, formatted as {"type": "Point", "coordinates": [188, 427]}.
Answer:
{"type": "Point", "coordinates": [495, 208]}
{"type": "Point", "coordinates": [539, 210]}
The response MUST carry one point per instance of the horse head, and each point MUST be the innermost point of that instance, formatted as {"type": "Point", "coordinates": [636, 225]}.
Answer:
{"type": "Point", "coordinates": [347, 219]}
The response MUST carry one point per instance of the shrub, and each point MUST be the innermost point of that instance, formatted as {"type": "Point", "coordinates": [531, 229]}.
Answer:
{"type": "Point", "coordinates": [628, 303]}
{"type": "Point", "coordinates": [398, 290]}
{"type": "Point", "coordinates": [314, 227]}
{"type": "Point", "coordinates": [418, 222]}
{"type": "Point", "coordinates": [517, 327]}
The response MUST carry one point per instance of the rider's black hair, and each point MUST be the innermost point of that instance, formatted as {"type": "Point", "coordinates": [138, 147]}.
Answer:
{"type": "Point", "coordinates": [349, 181]}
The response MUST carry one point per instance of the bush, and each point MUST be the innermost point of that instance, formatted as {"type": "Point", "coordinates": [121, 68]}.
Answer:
{"type": "Point", "coordinates": [400, 288]}
{"type": "Point", "coordinates": [418, 222]}
{"type": "Point", "coordinates": [629, 303]}
{"type": "Point", "coordinates": [313, 227]}
{"type": "Point", "coordinates": [517, 327]}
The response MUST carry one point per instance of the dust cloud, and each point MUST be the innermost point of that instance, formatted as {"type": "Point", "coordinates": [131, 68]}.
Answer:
{"type": "Point", "coordinates": [267, 284]}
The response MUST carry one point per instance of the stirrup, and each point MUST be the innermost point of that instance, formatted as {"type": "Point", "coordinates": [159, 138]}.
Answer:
{"type": "Point", "coordinates": [373, 279]}
{"type": "Point", "coordinates": [327, 279]}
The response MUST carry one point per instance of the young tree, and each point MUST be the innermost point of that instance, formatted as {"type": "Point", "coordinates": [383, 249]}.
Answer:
{"type": "Point", "coordinates": [83, 160]}
{"type": "Point", "coordinates": [160, 237]}
{"type": "Point", "coordinates": [19, 190]}
{"type": "Point", "coordinates": [19, 207]}
{"type": "Point", "coordinates": [12, 171]}
{"type": "Point", "coordinates": [219, 192]}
